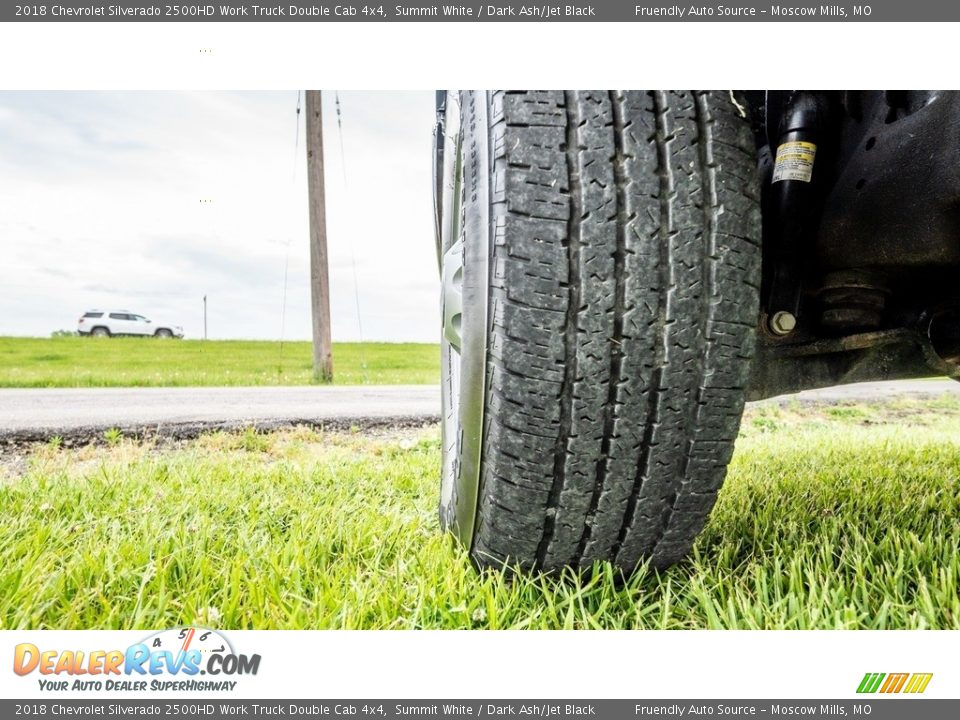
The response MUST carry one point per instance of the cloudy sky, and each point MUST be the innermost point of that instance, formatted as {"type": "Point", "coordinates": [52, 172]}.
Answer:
{"type": "Point", "coordinates": [148, 201]}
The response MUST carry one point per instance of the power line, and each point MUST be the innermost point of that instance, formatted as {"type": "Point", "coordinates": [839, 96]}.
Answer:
{"type": "Point", "coordinates": [296, 138]}
{"type": "Point", "coordinates": [343, 155]}
{"type": "Point", "coordinates": [353, 257]}
{"type": "Point", "coordinates": [286, 261]}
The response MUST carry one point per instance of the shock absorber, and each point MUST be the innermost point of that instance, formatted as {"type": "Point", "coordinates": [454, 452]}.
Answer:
{"type": "Point", "coordinates": [793, 200]}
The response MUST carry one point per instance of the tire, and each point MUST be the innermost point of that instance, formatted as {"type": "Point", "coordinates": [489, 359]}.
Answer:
{"type": "Point", "coordinates": [608, 248]}
{"type": "Point", "coordinates": [100, 332]}
{"type": "Point", "coordinates": [163, 333]}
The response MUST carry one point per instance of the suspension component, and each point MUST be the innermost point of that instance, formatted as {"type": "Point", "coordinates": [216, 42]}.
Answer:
{"type": "Point", "coordinates": [793, 199]}
{"type": "Point", "coordinates": [852, 301]}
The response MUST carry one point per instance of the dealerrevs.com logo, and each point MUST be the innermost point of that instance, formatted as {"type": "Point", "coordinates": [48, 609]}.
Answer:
{"type": "Point", "coordinates": [169, 660]}
{"type": "Point", "coordinates": [910, 683]}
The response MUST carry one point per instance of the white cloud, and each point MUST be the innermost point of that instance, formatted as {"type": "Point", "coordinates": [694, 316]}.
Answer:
{"type": "Point", "coordinates": [100, 205]}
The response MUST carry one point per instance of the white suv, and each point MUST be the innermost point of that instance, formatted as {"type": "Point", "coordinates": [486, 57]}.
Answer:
{"type": "Point", "coordinates": [104, 323]}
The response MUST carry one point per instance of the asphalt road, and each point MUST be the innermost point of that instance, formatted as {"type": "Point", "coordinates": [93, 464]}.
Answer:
{"type": "Point", "coordinates": [39, 414]}
{"type": "Point", "coordinates": [36, 414]}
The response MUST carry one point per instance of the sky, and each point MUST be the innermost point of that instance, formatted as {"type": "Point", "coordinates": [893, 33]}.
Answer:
{"type": "Point", "coordinates": [149, 201]}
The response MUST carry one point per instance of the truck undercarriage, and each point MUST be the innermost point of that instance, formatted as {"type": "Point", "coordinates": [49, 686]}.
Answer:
{"type": "Point", "coordinates": [859, 262]}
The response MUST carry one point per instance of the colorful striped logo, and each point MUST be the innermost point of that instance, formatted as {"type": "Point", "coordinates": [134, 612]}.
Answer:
{"type": "Point", "coordinates": [894, 682]}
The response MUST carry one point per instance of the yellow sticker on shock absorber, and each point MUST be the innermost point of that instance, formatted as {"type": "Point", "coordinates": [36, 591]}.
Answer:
{"type": "Point", "coordinates": [794, 161]}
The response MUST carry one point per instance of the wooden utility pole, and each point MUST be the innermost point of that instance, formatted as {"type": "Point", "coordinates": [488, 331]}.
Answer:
{"type": "Point", "coordinates": [204, 317]}
{"type": "Point", "coordinates": [319, 276]}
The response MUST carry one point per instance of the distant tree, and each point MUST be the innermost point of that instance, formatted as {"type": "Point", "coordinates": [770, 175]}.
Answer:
{"type": "Point", "coordinates": [64, 333]}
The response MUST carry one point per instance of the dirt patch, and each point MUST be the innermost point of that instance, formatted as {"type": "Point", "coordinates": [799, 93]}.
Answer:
{"type": "Point", "coordinates": [16, 445]}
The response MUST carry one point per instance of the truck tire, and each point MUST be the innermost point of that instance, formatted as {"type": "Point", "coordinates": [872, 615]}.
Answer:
{"type": "Point", "coordinates": [601, 272]}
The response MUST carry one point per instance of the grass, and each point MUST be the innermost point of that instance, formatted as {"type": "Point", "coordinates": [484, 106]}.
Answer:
{"type": "Point", "coordinates": [147, 362]}
{"type": "Point", "coordinates": [828, 519]}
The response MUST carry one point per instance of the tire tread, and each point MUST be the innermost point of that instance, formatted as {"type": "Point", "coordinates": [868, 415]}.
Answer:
{"type": "Point", "coordinates": [623, 306]}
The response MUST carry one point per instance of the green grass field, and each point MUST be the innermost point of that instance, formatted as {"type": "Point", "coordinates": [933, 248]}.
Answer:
{"type": "Point", "coordinates": [834, 517]}
{"type": "Point", "coordinates": [147, 362]}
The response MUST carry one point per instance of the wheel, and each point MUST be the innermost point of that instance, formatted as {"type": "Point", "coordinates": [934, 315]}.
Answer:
{"type": "Point", "coordinates": [163, 333]}
{"type": "Point", "coordinates": [100, 332]}
{"type": "Point", "coordinates": [601, 271]}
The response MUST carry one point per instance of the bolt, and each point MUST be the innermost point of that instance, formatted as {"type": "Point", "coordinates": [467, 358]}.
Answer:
{"type": "Point", "coordinates": [783, 323]}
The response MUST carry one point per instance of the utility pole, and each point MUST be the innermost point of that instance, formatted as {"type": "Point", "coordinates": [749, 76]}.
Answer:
{"type": "Point", "coordinates": [204, 317]}
{"type": "Point", "coordinates": [319, 276]}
